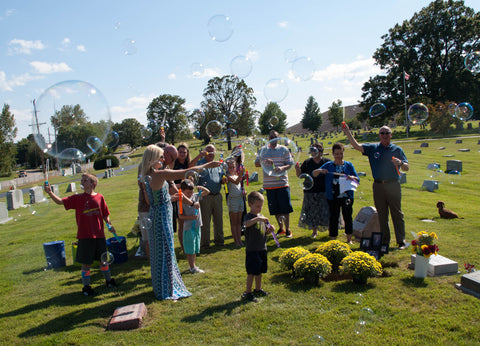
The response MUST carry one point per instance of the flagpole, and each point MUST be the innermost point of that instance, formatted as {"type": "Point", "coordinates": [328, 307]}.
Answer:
{"type": "Point", "coordinates": [405, 98]}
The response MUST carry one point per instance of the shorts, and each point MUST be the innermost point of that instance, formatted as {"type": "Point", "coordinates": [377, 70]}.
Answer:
{"type": "Point", "coordinates": [279, 201]}
{"type": "Point", "coordinates": [191, 241]}
{"type": "Point", "coordinates": [235, 204]}
{"type": "Point", "coordinates": [90, 249]}
{"type": "Point", "coordinates": [256, 262]}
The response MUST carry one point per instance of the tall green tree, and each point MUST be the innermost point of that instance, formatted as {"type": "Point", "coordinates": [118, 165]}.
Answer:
{"type": "Point", "coordinates": [430, 48]}
{"type": "Point", "coordinates": [335, 113]}
{"type": "Point", "coordinates": [8, 131]}
{"type": "Point", "coordinates": [312, 118]}
{"type": "Point", "coordinates": [69, 115]}
{"type": "Point", "coordinates": [167, 111]}
{"type": "Point", "coordinates": [129, 132]}
{"type": "Point", "coordinates": [272, 118]}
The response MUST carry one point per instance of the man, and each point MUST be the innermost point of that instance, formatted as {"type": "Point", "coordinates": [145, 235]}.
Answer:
{"type": "Point", "coordinates": [386, 160]}
{"type": "Point", "coordinates": [278, 191]}
{"type": "Point", "coordinates": [211, 205]}
{"type": "Point", "coordinates": [170, 154]}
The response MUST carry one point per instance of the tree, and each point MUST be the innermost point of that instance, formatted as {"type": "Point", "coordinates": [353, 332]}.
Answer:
{"type": "Point", "coordinates": [272, 118]}
{"type": "Point", "coordinates": [167, 111]}
{"type": "Point", "coordinates": [312, 118]}
{"type": "Point", "coordinates": [335, 113]}
{"type": "Point", "coordinates": [439, 119]}
{"type": "Point", "coordinates": [129, 132]}
{"type": "Point", "coordinates": [431, 48]}
{"type": "Point", "coordinates": [69, 115]}
{"type": "Point", "coordinates": [225, 96]}
{"type": "Point", "coordinates": [28, 152]}
{"type": "Point", "coordinates": [8, 131]}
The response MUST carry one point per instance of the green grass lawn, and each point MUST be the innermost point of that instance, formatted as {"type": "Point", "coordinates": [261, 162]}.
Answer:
{"type": "Point", "coordinates": [46, 307]}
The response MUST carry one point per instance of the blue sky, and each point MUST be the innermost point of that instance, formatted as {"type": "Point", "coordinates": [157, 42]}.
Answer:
{"type": "Point", "coordinates": [133, 51]}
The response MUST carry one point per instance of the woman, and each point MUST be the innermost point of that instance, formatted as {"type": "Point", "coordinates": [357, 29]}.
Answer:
{"type": "Point", "coordinates": [315, 212]}
{"type": "Point", "coordinates": [335, 171]}
{"type": "Point", "coordinates": [166, 279]}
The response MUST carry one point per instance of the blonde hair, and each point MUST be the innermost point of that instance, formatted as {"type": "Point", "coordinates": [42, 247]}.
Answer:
{"type": "Point", "coordinates": [92, 177]}
{"type": "Point", "coordinates": [151, 155]}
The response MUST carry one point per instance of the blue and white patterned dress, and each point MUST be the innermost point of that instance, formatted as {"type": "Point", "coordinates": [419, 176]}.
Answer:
{"type": "Point", "coordinates": [166, 279]}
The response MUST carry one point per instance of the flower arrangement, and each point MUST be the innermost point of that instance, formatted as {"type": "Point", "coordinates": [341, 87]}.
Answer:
{"type": "Point", "coordinates": [334, 251]}
{"type": "Point", "coordinates": [136, 228]}
{"type": "Point", "coordinates": [361, 266]}
{"type": "Point", "coordinates": [424, 244]}
{"type": "Point", "coordinates": [290, 256]}
{"type": "Point", "coordinates": [311, 267]}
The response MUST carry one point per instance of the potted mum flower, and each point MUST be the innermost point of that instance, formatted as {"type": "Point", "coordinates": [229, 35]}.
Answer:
{"type": "Point", "coordinates": [360, 265]}
{"type": "Point", "coordinates": [423, 246]}
{"type": "Point", "coordinates": [334, 251]}
{"type": "Point", "coordinates": [311, 267]}
{"type": "Point", "coordinates": [290, 256]}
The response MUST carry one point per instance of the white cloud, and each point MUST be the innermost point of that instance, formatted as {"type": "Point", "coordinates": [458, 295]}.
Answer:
{"type": "Point", "coordinates": [65, 42]}
{"type": "Point", "coordinates": [8, 85]}
{"type": "Point", "coordinates": [252, 55]}
{"type": "Point", "coordinates": [19, 46]}
{"type": "Point", "coordinates": [282, 24]}
{"type": "Point", "coordinates": [172, 76]}
{"type": "Point", "coordinates": [81, 48]}
{"type": "Point", "coordinates": [204, 72]}
{"type": "Point", "coordinates": [45, 67]}
{"type": "Point", "coordinates": [135, 107]}
{"type": "Point", "coordinates": [357, 69]}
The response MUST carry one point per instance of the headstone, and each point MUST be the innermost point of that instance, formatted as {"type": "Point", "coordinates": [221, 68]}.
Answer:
{"type": "Point", "coordinates": [469, 126]}
{"type": "Point", "coordinates": [403, 178]}
{"type": "Point", "coordinates": [366, 222]}
{"type": "Point", "coordinates": [417, 151]}
{"type": "Point", "coordinates": [464, 150]}
{"type": "Point", "coordinates": [441, 148]}
{"type": "Point", "coordinates": [128, 317]}
{"type": "Point", "coordinates": [106, 174]}
{"type": "Point", "coordinates": [364, 136]}
{"type": "Point", "coordinates": [424, 145]}
{"type": "Point", "coordinates": [14, 199]}
{"type": "Point", "coordinates": [362, 174]}
{"type": "Point", "coordinates": [55, 189]}
{"type": "Point", "coordinates": [454, 165]}
{"type": "Point", "coordinates": [438, 265]}
{"type": "Point", "coordinates": [478, 141]}
{"type": "Point", "coordinates": [470, 283]}
{"type": "Point", "coordinates": [36, 194]}
{"type": "Point", "coordinates": [430, 185]}
{"type": "Point", "coordinates": [311, 141]}
{"type": "Point", "coordinates": [71, 187]}
{"type": "Point", "coordinates": [458, 141]}
{"type": "Point", "coordinates": [4, 213]}
{"type": "Point", "coordinates": [253, 177]}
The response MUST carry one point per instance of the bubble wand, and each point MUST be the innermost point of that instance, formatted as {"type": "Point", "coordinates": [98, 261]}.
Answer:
{"type": "Point", "coordinates": [247, 177]}
{"type": "Point", "coordinates": [47, 163]}
{"type": "Point", "coordinates": [114, 233]}
{"type": "Point", "coordinates": [398, 171]}
{"type": "Point", "coordinates": [196, 211]}
{"type": "Point", "coordinates": [180, 205]}
{"type": "Point", "coordinates": [273, 234]}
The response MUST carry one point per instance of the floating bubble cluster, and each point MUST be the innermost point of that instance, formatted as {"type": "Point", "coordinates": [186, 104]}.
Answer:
{"type": "Point", "coordinates": [376, 110]}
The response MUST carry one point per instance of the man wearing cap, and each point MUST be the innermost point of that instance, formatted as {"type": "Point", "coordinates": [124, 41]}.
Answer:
{"type": "Point", "coordinates": [386, 160]}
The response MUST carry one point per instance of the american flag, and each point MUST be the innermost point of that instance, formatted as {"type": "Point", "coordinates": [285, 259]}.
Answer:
{"type": "Point", "coordinates": [407, 76]}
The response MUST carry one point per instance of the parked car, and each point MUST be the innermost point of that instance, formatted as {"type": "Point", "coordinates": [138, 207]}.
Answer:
{"type": "Point", "coordinates": [22, 173]}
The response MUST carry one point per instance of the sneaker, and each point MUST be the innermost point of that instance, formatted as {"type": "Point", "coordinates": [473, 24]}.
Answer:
{"type": "Point", "coordinates": [111, 283]}
{"type": "Point", "coordinates": [289, 234]}
{"type": "Point", "coordinates": [281, 232]}
{"type": "Point", "coordinates": [314, 235]}
{"type": "Point", "coordinates": [249, 297]}
{"type": "Point", "coordinates": [87, 291]}
{"type": "Point", "coordinates": [196, 270]}
{"type": "Point", "coordinates": [401, 246]}
{"type": "Point", "coordinates": [260, 293]}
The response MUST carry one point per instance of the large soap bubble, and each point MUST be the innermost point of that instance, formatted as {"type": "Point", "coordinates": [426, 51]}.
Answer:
{"type": "Point", "coordinates": [417, 113]}
{"type": "Point", "coordinates": [66, 115]}
{"type": "Point", "coordinates": [275, 90]}
{"type": "Point", "coordinates": [274, 162]}
{"type": "Point", "coordinates": [220, 28]}
{"type": "Point", "coordinates": [472, 62]}
{"type": "Point", "coordinates": [241, 66]}
{"type": "Point", "coordinates": [214, 128]}
{"type": "Point", "coordinates": [377, 109]}
{"type": "Point", "coordinates": [464, 111]}
{"type": "Point", "coordinates": [303, 68]}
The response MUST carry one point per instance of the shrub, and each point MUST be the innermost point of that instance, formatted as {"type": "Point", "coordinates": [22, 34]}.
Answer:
{"type": "Point", "coordinates": [334, 251]}
{"type": "Point", "coordinates": [361, 265]}
{"type": "Point", "coordinates": [101, 163]}
{"type": "Point", "coordinates": [311, 267]}
{"type": "Point", "coordinates": [290, 256]}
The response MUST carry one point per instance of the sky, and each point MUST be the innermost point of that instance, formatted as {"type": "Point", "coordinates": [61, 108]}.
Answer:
{"type": "Point", "coordinates": [134, 51]}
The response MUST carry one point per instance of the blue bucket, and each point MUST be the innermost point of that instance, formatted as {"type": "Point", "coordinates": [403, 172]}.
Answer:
{"type": "Point", "coordinates": [118, 249]}
{"type": "Point", "coordinates": [55, 253]}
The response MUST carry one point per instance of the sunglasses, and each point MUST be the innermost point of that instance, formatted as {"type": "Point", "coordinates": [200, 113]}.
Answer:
{"type": "Point", "coordinates": [385, 133]}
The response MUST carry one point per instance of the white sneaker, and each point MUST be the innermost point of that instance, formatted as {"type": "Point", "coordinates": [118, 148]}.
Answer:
{"type": "Point", "coordinates": [196, 270]}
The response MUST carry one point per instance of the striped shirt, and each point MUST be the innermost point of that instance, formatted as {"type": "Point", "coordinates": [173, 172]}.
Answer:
{"type": "Point", "coordinates": [281, 156]}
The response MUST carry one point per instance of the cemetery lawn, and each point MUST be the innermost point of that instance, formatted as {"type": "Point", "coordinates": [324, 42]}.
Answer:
{"type": "Point", "coordinates": [47, 307]}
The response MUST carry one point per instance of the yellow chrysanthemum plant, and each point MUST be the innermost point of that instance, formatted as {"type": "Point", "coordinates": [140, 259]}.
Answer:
{"type": "Point", "coordinates": [335, 251]}
{"type": "Point", "coordinates": [291, 255]}
{"type": "Point", "coordinates": [360, 265]}
{"type": "Point", "coordinates": [312, 267]}
{"type": "Point", "coordinates": [424, 244]}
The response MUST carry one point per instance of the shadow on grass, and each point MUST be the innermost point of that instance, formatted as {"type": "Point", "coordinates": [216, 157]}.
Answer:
{"type": "Point", "coordinates": [294, 284]}
{"type": "Point", "coordinates": [350, 286]}
{"type": "Point", "coordinates": [414, 282]}
{"type": "Point", "coordinates": [224, 309]}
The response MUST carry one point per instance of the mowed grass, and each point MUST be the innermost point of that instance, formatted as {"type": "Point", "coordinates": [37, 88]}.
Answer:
{"type": "Point", "coordinates": [46, 307]}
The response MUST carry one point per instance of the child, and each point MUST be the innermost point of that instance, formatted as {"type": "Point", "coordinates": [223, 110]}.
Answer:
{"type": "Point", "coordinates": [235, 200]}
{"type": "Point", "coordinates": [256, 230]}
{"type": "Point", "coordinates": [192, 221]}
{"type": "Point", "coordinates": [90, 211]}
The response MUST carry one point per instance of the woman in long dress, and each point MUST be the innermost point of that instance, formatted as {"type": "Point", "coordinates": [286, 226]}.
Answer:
{"type": "Point", "coordinates": [166, 279]}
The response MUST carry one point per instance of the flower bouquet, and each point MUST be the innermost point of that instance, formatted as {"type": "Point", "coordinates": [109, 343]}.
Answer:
{"type": "Point", "coordinates": [290, 256]}
{"type": "Point", "coordinates": [360, 265]}
{"type": "Point", "coordinates": [334, 251]}
{"type": "Point", "coordinates": [424, 244]}
{"type": "Point", "coordinates": [311, 267]}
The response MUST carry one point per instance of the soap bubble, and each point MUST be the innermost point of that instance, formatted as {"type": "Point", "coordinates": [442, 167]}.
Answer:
{"type": "Point", "coordinates": [229, 133]}
{"type": "Point", "coordinates": [273, 121]}
{"type": "Point", "coordinates": [129, 46]}
{"type": "Point", "coordinates": [48, 266]}
{"type": "Point", "coordinates": [214, 128]}
{"type": "Point", "coordinates": [306, 181]}
{"type": "Point", "coordinates": [220, 28]}
{"type": "Point", "coordinates": [417, 113]}
{"type": "Point", "coordinates": [313, 152]}
{"type": "Point", "coordinates": [318, 338]}
{"type": "Point", "coordinates": [146, 132]}
{"type": "Point", "coordinates": [377, 109]}
{"type": "Point", "coordinates": [112, 139]}
{"type": "Point", "coordinates": [367, 315]}
{"type": "Point", "coordinates": [197, 70]}
{"type": "Point", "coordinates": [290, 55]}
{"type": "Point", "coordinates": [472, 62]}
{"type": "Point", "coordinates": [275, 90]}
{"type": "Point", "coordinates": [359, 327]}
{"type": "Point", "coordinates": [451, 109]}
{"type": "Point", "coordinates": [65, 115]}
{"type": "Point", "coordinates": [40, 208]}
{"type": "Point", "coordinates": [454, 177]}
{"type": "Point", "coordinates": [286, 148]}
{"type": "Point", "coordinates": [281, 221]}
{"type": "Point", "coordinates": [107, 258]}
{"type": "Point", "coordinates": [145, 223]}
{"type": "Point", "coordinates": [241, 66]}
{"type": "Point", "coordinates": [358, 299]}
{"type": "Point", "coordinates": [377, 155]}
{"type": "Point", "coordinates": [464, 111]}
{"type": "Point", "coordinates": [230, 117]}
{"type": "Point", "coordinates": [94, 144]}
{"type": "Point", "coordinates": [303, 68]}
{"type": "Point", "coordinates": [197, 134]}
{"type": "Point", "coordinates": [192, 175]}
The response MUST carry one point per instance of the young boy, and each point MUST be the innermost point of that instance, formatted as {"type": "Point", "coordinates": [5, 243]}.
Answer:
{"type": "Point", "coordinates": [189, 215]}
{"type": "Point", "coordinates": [256, 231]}
{"type": "Point", "coordinates": [90, 211]}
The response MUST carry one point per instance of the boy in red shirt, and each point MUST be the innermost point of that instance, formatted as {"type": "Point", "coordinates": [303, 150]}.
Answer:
{"type": "Point", "coordinates": [90, 212]}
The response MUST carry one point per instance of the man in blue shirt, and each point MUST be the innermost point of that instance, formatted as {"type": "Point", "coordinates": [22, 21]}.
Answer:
{"type": "Point", "coordinates": [386, 160]}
